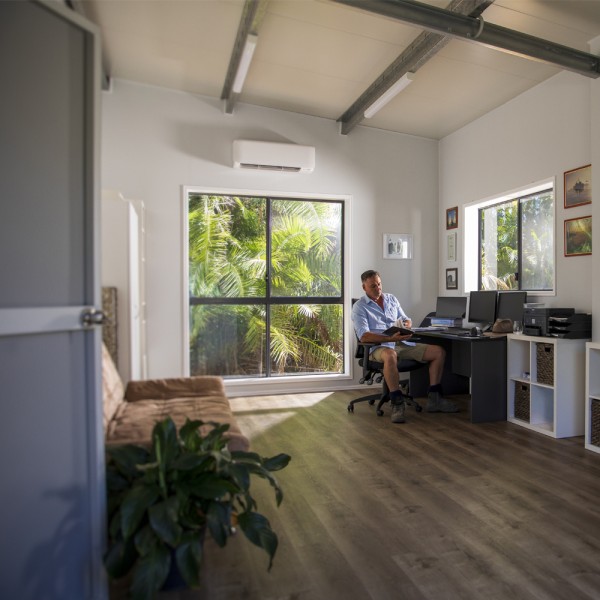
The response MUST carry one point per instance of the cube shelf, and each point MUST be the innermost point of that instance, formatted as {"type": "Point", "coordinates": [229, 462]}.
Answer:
{"type": "Point", "coordinates": [546, 385]}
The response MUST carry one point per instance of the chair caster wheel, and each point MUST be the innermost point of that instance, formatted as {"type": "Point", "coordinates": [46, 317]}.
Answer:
{"type": "Point", "coordinates": [380, 413]}
{"type": "Point", "coordinates": [418, 408]}
{"type": "Point", "coordinates": [371, 402]}
{"type": "Point", "coordinates": [350, 408]}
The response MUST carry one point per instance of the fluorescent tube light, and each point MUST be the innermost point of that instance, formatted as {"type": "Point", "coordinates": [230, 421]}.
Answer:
{"type": "Point", "coordinates": [403, 82]}
{"type": "Point", "coordinates": [245, 60]}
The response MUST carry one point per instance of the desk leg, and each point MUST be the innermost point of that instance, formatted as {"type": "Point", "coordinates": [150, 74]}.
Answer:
{"type": "Point", "coordinates": [488, 381]}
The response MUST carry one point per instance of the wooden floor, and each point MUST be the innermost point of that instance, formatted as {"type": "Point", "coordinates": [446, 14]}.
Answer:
{"type": "Point", "coordinates": [437, 508]}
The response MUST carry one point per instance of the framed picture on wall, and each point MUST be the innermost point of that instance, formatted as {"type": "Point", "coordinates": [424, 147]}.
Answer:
{"type": "Point", "coordinates": [397, 245]}
{"type": "Point", "coordinates": [451, 246]}
{"type": "Point", "coordinates": [452, 218]}
{"type": "Point", "coordinates": [578, 186]}
{"type": "Point", "coordinates": [451, 279]}
{"type": "Point", "coordinates": [578, 236]}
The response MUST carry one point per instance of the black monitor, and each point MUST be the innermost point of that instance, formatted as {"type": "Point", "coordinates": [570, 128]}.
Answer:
{"type": "Point", "coordinates": [510, 305]}
{"type": "Point", "coordinates": [454, 307]}
{"type": "Point", "coordinates": [482, 307]}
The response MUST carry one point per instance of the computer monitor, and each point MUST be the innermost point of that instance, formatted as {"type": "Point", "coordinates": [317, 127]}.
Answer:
{"type": "Point", "coordinates": [454, 307]}
{"type": "Point", "coordinates": [510, 305]}
{"type": "Point", "coordinates": [482, 307]}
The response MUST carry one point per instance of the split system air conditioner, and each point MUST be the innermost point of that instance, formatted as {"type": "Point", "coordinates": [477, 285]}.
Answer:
{"type": "Point", "coordinates": [249, 154]}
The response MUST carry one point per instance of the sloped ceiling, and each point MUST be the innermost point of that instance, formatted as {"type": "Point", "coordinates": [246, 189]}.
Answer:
{"type": "Point", "coordinates": [316, 57]}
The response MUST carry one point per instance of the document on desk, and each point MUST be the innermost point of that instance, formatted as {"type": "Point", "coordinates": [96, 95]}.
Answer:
{"type": "Point", "coordinates": [429, 328]}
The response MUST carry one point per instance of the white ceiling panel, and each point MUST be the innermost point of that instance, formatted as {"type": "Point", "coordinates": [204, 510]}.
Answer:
{"type": "Point", "coordinates": [317, 57]}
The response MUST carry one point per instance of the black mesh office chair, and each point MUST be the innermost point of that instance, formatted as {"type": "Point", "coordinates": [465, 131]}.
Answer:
{"type": "Point", "coordinates": [372, 370]}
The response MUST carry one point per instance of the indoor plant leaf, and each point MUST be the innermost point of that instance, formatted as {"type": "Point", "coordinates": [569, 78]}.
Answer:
{"type": "Point", "coordinates": [134, 506]}
{"type": "Point", "coordinates": [257, 529]}
{"type": "Point", "coordinates": [164, 520]}
{"type": "Point", "coordinates": [150, 573]}
{"type": "Point", "coordinates": [189, 556]}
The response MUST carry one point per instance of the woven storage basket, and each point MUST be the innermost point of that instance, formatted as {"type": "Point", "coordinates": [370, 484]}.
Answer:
{"type": "Point", "coordinates": [545, 363]}
{"type": "Point", "coordinates": [595, 422]}
{"type": "Point", "coordinates": [522, 401]}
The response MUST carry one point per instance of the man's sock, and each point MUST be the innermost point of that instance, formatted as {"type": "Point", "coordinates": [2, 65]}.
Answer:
{"type": "Point", "coordinates": [436, 388]}
{"type": "Point", "coordinates": [396, 397]}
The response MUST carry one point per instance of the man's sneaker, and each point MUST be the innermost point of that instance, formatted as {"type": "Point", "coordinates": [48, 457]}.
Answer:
{"type": "Point", "coordinates": [437, 403]}
{"type": "Point", "coordinates": [398, 412]}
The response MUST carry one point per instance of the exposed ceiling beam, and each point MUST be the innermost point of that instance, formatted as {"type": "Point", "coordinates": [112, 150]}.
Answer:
{"type": "Point", "coordinates": [476, 30]}
{"type": "Point", "coordinates": [252, 14]}
{"type": "Point", "coordinates": [426, 45]}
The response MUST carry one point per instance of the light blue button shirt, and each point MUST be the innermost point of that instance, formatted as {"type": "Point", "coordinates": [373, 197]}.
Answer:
{"type": "Point", "coordinates": [367, 315]}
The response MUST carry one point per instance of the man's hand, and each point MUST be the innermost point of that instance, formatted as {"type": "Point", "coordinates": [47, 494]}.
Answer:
{"type": "Point", "coordinates": [398, 337]}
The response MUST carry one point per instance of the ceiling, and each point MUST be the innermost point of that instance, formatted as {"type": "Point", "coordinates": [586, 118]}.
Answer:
{"type": "Point", "coordinates": [316, 57]}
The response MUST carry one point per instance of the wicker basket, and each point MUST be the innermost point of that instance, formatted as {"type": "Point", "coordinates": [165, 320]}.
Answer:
{"type": "Point", "coordinates": [595, 422]}
{"type": "Point", "coordinates": [522, 401]}
{"type": "Point", "coordinates": [545, 363]}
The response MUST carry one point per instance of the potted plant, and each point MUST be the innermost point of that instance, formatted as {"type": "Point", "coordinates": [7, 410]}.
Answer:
{"type": "Point", "coordinates": [162, 500]}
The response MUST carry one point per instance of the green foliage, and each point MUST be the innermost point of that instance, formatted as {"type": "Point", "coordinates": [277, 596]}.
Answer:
{"type": "Point", "coordinates": [161, 501]}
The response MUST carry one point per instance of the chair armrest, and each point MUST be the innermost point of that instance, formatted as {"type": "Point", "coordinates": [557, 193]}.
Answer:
{"type": "Point", "coordinates": [365, 359]}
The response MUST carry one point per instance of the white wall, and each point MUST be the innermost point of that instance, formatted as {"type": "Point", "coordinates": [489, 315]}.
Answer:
{"type": "Point", "coordinates": [540, 134]}
{"type": "Point", "coordinates": [155, 141]}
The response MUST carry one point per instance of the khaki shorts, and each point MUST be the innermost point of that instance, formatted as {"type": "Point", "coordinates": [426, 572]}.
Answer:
{"type": "Point", "coordinates": [403, 351]}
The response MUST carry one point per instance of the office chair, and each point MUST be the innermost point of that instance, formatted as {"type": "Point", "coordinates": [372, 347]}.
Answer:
{"type": "Point", "coordinates": [373, 371]}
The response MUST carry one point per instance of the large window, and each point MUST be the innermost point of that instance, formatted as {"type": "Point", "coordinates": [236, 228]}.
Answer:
{"type": "Point", "coordinates": [265, 286]}
{"type": "Point", "coordinates": [516, 243]}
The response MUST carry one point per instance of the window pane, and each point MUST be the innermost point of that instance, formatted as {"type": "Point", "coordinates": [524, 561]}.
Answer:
{"type": "Point", "coordinates": [227, 340]}
{"type": "Point", "coordinates": [306, 251]}
{"type": "Point", "coordinates": [306, 339]}
{"type": "Point", "coordinates": [499, 247]}
{"type": "Point", "coordinates": [227, 246]}
{"type": "Point", "coordinates": [537, 233]}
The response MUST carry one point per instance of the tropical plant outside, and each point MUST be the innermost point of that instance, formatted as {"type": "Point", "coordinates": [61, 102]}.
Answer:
{"type": "Point", "coordinates": [517, 244]}
{"type": "Point", "coordinates": [265, 286]}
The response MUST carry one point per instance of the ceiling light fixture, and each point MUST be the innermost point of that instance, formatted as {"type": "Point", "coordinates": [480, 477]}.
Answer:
{"type": "Point", "coordinates": [403, 82]}
{"type": "Point", "coordinates": [245, 60]}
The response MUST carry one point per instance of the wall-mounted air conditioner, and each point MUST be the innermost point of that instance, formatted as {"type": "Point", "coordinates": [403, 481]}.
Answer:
{"type": "Point", "coordinates": [250, 154]}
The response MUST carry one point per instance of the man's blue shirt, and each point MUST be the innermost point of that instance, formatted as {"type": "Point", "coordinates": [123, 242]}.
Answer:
{"type": "Point", "coordinates": [367, 315]}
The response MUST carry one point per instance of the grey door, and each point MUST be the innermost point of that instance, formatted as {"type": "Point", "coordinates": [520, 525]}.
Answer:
{"type": "Point", "coordinates": [51, 449]}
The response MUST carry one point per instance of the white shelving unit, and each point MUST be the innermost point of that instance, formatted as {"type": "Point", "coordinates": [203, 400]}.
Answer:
{"type": "Point", "coordinates": [557, 407]}
{"type": "Point", "coordinates": [592, 396]}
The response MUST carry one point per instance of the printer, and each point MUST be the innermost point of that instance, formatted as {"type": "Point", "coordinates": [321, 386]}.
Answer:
{"type": "Point", "coordinates": [557, 322]}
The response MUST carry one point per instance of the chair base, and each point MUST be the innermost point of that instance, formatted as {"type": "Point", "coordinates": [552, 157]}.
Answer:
{"type": "Point", "coordinates": [385, 397]}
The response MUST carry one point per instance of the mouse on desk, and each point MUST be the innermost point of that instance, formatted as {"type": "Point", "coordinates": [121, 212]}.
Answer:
{"type": "Point", "coordinates": [476, 332]}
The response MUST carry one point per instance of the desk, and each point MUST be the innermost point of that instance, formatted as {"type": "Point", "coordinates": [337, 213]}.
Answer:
{"type": "Point", "coordinates": [480, 359]}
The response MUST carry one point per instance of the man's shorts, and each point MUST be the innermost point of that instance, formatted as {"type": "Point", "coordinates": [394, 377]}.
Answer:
{"type": "Point", "coordinates": [403, 351]}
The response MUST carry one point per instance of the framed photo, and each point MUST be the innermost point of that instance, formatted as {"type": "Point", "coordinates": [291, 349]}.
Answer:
{"type": "Point", "coordinates": [452, 218]}
{"type": "Point", "coordinates": [451, 246]}
{"type": "Point", "coordinates": [397, 245]}
{"type": "Point", "coordinates": [578, 186]}
{"type": "Point", "coordinates": [578, 236]}
{"type": "Point", "coordinates": [451, 279]}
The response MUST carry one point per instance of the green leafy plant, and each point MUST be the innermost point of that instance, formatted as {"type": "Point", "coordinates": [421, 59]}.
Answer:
{"type": "Point", "coordinates": [162, 500]}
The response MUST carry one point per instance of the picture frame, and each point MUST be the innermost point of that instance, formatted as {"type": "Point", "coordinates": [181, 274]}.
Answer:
{"type": "Point", "coordinates": [578, 236]}
{"type": "Point", "coordinates": [452, 218]}
{"type": "Point", "coordinates": [452, 279]}
{"type": "Point", "coordinates": [451, 246]}
{"type": "Point", "coordinates": [398, 246]}
{"type": "Point", "coordinates": [578, 186]}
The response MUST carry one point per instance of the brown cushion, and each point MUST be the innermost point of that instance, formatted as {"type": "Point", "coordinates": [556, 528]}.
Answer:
{"type": "Point", "coordinates": [176, 387]}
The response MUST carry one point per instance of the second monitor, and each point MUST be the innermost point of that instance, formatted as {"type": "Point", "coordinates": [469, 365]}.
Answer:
{"type": "Point", "coordinates": [482, 307]}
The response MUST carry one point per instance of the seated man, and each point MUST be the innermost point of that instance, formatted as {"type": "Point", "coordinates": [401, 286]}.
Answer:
{"type": "Point", "coordinates": [372, 314]}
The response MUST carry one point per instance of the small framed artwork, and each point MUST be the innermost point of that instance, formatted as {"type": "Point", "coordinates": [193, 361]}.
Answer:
{"type": "Point", "coordinates": [578, 236]}
{"type": "Point", "coordinates": [578, 186]}
{"type": "Point", "coordinates": [451, 246]}
{"type": "Point", "coordinates": [452, 218]}
{"type": "Point", "coordinates": [397, 245]}
{"type": "Point", "coordinates": [451, 279]}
